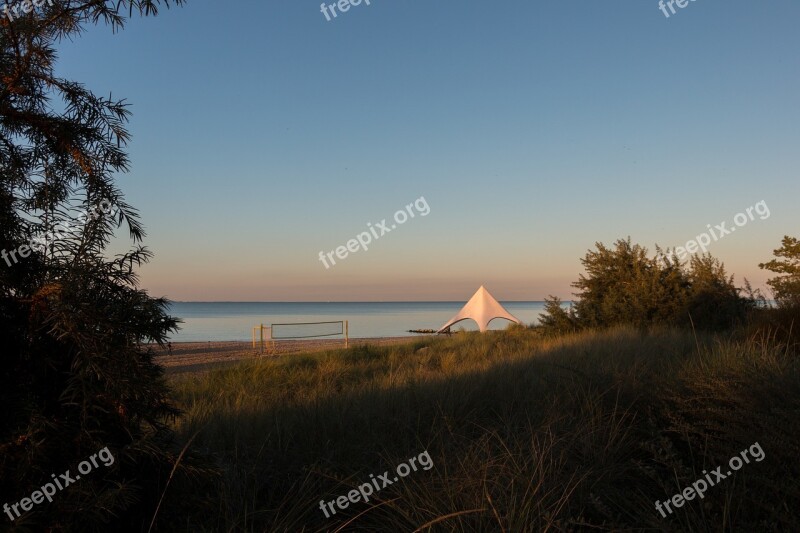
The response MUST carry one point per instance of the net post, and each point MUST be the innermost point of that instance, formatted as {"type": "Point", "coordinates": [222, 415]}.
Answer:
{"type": "Point", "coordinates": [346, 333]}
{"type": "Point", "coordinates": [261, 336]}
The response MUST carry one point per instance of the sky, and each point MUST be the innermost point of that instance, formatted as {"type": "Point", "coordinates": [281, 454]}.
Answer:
{"type": "Point", "coordinates": [264, 134]}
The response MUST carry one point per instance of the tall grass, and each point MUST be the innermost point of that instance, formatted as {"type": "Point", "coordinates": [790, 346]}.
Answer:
{"type": "Point", "coordinates": [582, 432]}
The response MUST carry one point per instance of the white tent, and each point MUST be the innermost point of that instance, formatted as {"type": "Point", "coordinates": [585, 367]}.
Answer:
{"type": "Point", "coordinates": [482, 308]}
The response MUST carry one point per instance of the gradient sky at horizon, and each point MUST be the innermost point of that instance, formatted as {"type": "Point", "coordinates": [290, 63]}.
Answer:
{"type": "Point", "coordinates": [263, 134]}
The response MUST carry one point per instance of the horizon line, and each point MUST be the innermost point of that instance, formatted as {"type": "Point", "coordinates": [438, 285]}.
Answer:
{"type": "Point", "coordinates": [337, 301]}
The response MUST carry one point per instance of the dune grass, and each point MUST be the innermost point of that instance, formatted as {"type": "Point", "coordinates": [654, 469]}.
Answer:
{"type": "Point", "coordinates": [526, 433]}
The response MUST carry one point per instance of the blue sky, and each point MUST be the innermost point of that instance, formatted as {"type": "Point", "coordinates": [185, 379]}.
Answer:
{"type": "Point", "coordinates": [264, 134]}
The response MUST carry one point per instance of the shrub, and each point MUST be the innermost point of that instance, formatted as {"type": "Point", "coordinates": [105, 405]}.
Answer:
{"type": "Point", "coordinates": [624, 285]}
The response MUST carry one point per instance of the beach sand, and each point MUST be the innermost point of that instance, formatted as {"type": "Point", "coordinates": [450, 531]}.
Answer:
{"type": "Point", "coordinates": [204, 356]}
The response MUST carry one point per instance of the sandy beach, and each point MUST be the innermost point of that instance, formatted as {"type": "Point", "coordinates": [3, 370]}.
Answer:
{"type": "Point", "coordinates": [204, 356]}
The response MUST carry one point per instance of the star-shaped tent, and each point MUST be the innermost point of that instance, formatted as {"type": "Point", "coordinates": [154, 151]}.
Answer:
{"type": "Point", "coordinates": [482, 308]}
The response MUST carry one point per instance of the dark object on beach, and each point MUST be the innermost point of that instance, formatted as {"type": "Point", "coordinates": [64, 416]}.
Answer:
{"type": "Point", "coordinates": [429, 331]}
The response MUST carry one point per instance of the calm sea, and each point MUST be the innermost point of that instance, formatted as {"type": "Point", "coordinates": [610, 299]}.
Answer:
{"type": "Point", "coordinates": [234, 321]}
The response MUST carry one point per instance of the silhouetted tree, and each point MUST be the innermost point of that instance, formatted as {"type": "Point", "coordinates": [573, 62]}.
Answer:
{"type": "Point", "coordinates": [787, 287]}
{"type": "Point", "coordinates": [783, 323]}
{"type": "Point", "coordinates": [75, 374]}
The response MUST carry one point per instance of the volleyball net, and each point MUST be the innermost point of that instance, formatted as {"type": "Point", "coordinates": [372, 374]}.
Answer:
{"type": "Point", "coordinates": [266, 335]}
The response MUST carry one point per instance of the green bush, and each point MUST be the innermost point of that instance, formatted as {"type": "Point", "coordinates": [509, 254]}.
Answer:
{"type": "Point", "coordinates": [624, 285]}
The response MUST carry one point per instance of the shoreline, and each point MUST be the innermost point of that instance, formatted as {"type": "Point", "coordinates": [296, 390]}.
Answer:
{"type": "Point", "coordinates": [212, 355]}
